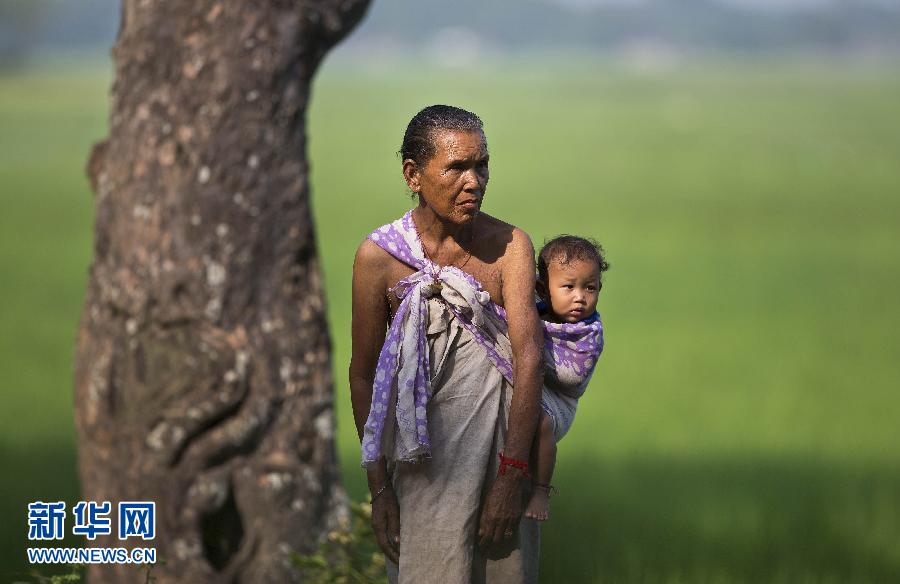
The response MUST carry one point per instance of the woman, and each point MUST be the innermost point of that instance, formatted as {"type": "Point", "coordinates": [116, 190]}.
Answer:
{"type": "Point", "coordinates": [456, 287]}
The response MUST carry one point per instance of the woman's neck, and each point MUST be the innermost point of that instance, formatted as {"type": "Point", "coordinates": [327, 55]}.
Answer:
{"type": "Point", "coordinates": [439, 230]}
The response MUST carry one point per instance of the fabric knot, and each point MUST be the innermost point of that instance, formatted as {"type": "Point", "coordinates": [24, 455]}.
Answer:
{"type": "Point", "coordinates": [397, 422]}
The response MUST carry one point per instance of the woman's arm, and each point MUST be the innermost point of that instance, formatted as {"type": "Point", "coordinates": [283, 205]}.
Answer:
{"type": "Point", "coordinates": [369, 327]}
{"type": "Point", "coordinates": [504, 504]}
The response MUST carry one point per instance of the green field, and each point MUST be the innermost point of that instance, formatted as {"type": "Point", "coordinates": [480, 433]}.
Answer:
{"type": "Point", "coordinates": [742, 425]}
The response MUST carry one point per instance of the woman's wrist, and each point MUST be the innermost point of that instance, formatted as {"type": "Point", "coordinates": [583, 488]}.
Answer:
{"type": "Point", "coordinates": [379, 492]}
{"type": "Point", "coordinates": [377, 478]}
{"type": "Point", "coordinates": [512, 465]}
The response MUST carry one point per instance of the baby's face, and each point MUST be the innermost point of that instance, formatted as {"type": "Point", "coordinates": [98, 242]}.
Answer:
{"type": "Point", "coordinates": [573, 289]}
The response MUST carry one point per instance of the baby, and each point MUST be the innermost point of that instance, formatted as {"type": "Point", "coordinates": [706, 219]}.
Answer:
{"type": "Point", "coordinates": [569, 273]}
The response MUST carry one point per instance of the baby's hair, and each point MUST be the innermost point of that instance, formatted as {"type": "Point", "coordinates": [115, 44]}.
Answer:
{"type": "Point", "coordinates": [569, 248]}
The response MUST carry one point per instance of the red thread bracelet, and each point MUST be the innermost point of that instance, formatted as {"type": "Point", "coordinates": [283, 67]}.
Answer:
{"type": "Point", "coordinates": [514, 462]}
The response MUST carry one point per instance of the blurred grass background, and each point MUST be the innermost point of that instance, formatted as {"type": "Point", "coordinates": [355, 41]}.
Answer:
{"type": "Point", "coordinates": [742, 423]}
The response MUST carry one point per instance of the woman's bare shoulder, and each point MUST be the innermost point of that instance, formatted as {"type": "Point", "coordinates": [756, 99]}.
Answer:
{"type": "Point", "coordinates": [369, 256]}
{"type": "Point", "coordinates": [376, 269]}
{"type": "Point", "coordinates": [506, 236]}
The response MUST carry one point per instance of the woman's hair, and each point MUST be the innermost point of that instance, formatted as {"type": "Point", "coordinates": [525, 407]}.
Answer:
{"type": "Point", "coordinates": [418, 141]}
{"type": "Point", "coordinates": [569, 248]}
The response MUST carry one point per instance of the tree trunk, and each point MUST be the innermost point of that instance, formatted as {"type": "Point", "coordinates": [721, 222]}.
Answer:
{"type": "Point", "coordinates": [203, 372]}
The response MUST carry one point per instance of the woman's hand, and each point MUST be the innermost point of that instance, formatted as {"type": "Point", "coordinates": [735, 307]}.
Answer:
{"type": "Point", "coordinates": [502, 509]}
{"type": "Point", "coordinates": [386, 523]}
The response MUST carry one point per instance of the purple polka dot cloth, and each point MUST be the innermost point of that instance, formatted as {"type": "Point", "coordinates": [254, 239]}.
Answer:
{"type": "Point", "coordinates": [397, 425]}
{"type": "Point", "coordinates": [571, 351]}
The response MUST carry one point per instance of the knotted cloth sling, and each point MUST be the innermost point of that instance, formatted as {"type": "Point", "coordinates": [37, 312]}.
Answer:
{"type": "Point", "coordinates": [571, 351]}
{"type": "Point", "coordinates": [402, 386]}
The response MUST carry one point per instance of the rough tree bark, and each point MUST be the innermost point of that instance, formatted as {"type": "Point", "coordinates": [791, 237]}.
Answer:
{"type": "Point", "coordinates": [203, 374]}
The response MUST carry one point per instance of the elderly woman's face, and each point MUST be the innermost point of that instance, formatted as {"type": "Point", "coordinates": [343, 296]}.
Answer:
{"type": "Point", "coordinates": [453, 181]}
